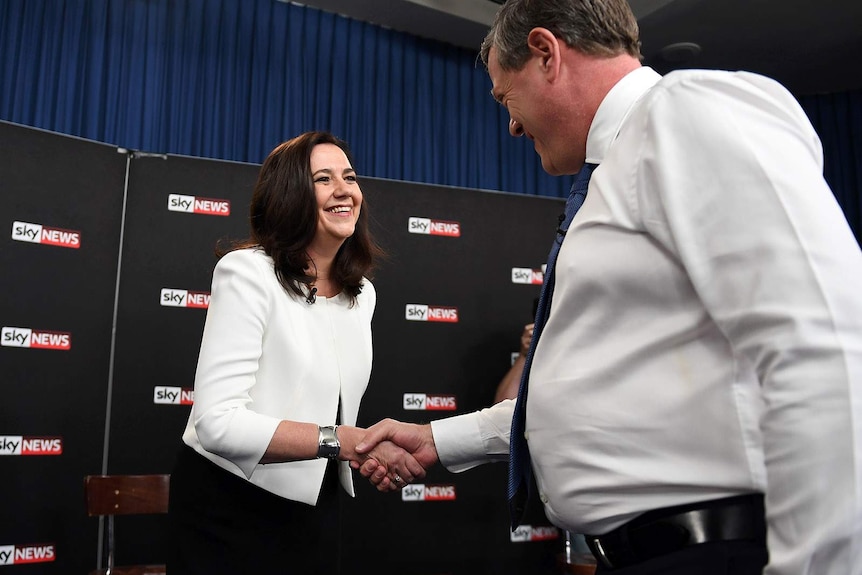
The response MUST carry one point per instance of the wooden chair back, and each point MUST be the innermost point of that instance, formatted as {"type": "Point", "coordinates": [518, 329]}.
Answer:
{"type": "Point", "coordinates": [111, 495]}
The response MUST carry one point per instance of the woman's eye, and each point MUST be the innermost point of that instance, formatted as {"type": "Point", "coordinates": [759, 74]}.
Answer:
{"type": "Point", "coordinates": [350, 178]}
{"type": "Point", "coordinates": [322, 179]}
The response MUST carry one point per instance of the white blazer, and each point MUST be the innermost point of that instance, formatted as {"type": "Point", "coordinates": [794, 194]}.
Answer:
{"type": "Point", "coordinates": [267, 355]}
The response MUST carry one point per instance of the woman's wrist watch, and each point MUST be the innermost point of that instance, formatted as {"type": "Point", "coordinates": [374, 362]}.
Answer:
{"type": "Point", "coordinates": [327, 442]}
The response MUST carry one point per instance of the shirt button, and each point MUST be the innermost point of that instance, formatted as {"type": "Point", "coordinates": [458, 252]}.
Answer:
{"type": "Point", "coordinates": [543, 497]}
{"type": "Point", "coordinates": [526, 435]}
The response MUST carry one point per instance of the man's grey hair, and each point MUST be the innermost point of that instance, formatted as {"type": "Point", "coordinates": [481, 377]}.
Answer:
{"type": "Point", "coordinates": [594, 27]}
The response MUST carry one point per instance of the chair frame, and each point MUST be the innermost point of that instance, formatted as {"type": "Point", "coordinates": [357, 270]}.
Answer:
{"type": "Point", "coordinates": [112, 495]}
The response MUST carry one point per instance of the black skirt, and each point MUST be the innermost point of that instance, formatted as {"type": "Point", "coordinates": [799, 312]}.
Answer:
{"type": "Point", "coordinates": [221, 523]}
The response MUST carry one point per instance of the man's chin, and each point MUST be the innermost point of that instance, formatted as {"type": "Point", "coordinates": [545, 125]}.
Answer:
{"type": "Point", "coordinates": [551, 169]}
{"type": "Point", "coordinates": [557, 170]}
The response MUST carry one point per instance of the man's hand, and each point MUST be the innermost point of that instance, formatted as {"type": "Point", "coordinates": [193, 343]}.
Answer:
{"type": "Point", "coordinates": [416, 439]}
{"type": "Point", "coordinates": [402, 467]}
{"type": "Point", "coordinates": [386, 455]}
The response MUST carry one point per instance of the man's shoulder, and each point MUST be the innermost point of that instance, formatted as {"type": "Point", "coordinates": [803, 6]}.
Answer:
{"type": "Point", "coordinates": [696, 93]}
{"type": "Point", "coordinates": [713, 81]}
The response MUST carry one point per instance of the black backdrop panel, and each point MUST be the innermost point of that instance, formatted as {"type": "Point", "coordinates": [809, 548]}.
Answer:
{"type": "Point", "coordinates": [74, 190]}
{"type": "Point", "coordinates": [465, 360]}
{"type": "Point", "coordinates": [471, 272]}
{"type": "Point", "coordinates": [157, 345]}
{"type": "Point", "coordinates": [166, 254]}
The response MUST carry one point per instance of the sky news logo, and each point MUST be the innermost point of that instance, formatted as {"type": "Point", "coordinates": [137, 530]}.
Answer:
{"type": "Point", "coordinates": [434, 227]}
{"type": "Point", "coordinates": [164, 395]}
{"type": "Point", "coordinates": [20, 445]}
{"type": "Point", "coordinates": [425, 402]}
{"type": "Point", "coordinates": [184, 298]}
{"type": "Point", "coordinates": [194, 205]}
{"type": "Point", "coordinates": [422, 312]}
{"type": "Point", "coordinates": [527, 276]}
{"type": "Point", "coordinates": [421, 492]}
{"type": "Point", "coordinates": [39, 234]}
{"type": "Point", "coordinates": [527, 533]}
{"type": "Point", "coordinates": [20, 554]}
{"type": "Point", "coordinates": [35, 338]}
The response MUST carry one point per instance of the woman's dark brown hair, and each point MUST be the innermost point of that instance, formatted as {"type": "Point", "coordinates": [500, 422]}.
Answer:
{"type": "Point", "coordinates": [283, 219]}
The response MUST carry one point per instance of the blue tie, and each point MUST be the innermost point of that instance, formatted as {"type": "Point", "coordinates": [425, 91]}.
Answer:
{"type": "Point", "coordinates": [520, 471]}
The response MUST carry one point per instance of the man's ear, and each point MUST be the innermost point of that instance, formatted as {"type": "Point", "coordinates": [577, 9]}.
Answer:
{"type": "Point", "coordinates": [545, 48]}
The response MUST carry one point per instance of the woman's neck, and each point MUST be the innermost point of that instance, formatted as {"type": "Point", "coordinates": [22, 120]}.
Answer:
{"type": "Point", "coordinates": [320, 267]}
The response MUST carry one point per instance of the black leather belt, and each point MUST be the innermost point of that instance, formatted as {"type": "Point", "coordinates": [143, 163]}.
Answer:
{"type": "Point", "coordinates": [670, 529]}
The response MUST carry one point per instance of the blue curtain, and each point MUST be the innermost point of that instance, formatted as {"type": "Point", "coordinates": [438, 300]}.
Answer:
{"type": "Point", "coordinates": [230, 79]}
{"type": "Point", "coordinates": [838, 120]}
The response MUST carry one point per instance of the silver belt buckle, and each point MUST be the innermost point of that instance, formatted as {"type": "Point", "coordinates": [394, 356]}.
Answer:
{"type": "Point", "coordinates": [602, 555]}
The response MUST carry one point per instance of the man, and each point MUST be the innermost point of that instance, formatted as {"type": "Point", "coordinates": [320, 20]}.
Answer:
{"type": "Point", "coordinates": [704, 340]}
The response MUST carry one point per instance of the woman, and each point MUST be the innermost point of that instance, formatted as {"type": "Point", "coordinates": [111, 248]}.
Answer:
{"type": "Point", "coordinates": [285, 356]}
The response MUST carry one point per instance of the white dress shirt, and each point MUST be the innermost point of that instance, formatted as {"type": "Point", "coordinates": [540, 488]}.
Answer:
{"type": "Point", "coordinates": [705, 338]}
{"type": "Point", "coordinates": [267, 355]}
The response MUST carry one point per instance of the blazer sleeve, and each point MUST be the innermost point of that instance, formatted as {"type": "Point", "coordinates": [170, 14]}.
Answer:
{"type": "Point", "coordinates": [228, 361]}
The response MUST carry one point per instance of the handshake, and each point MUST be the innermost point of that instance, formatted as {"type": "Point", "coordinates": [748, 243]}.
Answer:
{"type": "Point", "coordinates": [390, 454]}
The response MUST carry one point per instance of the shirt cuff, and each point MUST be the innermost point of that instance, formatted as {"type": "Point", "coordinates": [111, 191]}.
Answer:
{"type": "Point", "coordinates": [468, 440]}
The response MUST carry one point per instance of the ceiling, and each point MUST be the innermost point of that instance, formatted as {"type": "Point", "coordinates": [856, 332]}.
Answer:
{"type": "Point", "coordinates": [811, 46]}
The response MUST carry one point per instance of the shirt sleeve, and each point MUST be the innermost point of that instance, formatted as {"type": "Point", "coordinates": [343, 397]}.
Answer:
{"type": "Point", "coordinates": [465, 441]}
{"type": "Point", "coordinates": [730, 181]}
{"type": "Point", "coordinates": [228, 361]}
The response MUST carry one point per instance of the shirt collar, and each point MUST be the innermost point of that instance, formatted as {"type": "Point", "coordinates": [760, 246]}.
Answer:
{"type": "Point", "coordinates": [615, 108]}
